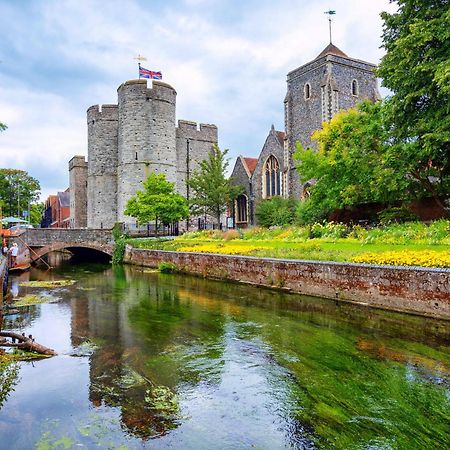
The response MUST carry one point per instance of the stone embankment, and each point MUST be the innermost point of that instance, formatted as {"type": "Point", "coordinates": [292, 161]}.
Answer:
{"type": "Point", "coordinates": [422, 291]}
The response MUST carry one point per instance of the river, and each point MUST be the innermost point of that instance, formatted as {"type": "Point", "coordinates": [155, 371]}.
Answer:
{"type": "Point", "coordinates": [151, 360]}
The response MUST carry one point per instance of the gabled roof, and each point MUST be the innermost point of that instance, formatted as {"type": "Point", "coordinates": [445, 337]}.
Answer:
{"type": "Point", "coordinates": [249, 164]}
{"type": "Point", "coordinates": [331, 49]}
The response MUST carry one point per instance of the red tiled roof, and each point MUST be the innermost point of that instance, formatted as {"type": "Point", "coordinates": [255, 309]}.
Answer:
{"type": "Point", "coordinates": [331, 49]}
{"type": "Point", "coordinates": [250, 163]}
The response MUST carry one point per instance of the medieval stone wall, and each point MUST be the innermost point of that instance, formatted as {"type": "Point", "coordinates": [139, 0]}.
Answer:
{"type": "Point", "coordinates": [419, 290]}
{"type": "Point", "coordinates": [127, 142]}
{"type": "Point", "coordinates": [240, 177]}
{"type": "Point", "coordinates": [329, 79]}
{"type": "Point", "coordinates": [272, 146]}
{"type": "Point", "coordinates": [78, 192]}
{"type": "Point", "coordinates": [192, 146]}
{"type": "Point", "coordinates": [102, 166]}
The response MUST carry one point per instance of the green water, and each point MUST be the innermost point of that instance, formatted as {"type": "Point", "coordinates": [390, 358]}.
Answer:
{"type": "Point", "coordinates": [147, 360]}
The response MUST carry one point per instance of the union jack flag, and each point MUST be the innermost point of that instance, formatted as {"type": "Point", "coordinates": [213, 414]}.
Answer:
{"type": "Point", "coordinates": [145, 73]}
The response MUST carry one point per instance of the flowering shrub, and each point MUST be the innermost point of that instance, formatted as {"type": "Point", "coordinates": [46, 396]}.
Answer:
{"type": "Point", "coordinates": [428, 258]}
{"type": "Point", "coordinates": [329, 229]}
{"type": "Point", "coordinates": [229, 249]}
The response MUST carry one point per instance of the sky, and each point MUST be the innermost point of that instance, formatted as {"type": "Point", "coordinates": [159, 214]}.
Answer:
{"type": "Point", "coordinates": [227, 60]}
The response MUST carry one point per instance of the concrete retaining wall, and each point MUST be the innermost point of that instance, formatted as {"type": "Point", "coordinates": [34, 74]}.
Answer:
{"type": "Point", "coordinates": [417, 290]}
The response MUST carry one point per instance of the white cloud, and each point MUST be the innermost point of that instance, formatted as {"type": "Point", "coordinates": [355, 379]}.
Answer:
{"type": "Point", "coordinates": [228, 65]}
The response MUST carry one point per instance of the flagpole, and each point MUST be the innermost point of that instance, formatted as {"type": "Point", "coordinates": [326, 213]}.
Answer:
{"type": "Point", "coordinates": [329, 21]}
{"type": "Point", "coordinates": [329, 14]}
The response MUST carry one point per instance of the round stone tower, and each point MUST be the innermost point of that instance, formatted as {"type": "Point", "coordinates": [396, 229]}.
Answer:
{"type": "Point", "coordinates": [146, 139]}
{"type": "Point", "coordinates": [102, 166]}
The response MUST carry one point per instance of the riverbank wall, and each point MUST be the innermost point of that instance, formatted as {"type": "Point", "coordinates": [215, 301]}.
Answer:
{"type": "Point", "coordinates": [424, 291]}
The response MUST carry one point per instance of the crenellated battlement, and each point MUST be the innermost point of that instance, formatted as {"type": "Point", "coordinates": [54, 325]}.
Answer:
{"type": "Point", "coordinates": [191, 130]}
{"type": "Point", "coordinates": [135, 89]}
{"type": "Point", "coordinates": [102, 112]}
{"type": "Point", "coordinates": [129, 140]}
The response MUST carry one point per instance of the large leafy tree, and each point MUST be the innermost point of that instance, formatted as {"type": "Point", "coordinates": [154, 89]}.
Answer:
{"type": "Point", "coordinates": [157, 202]}
{"type": "Point", "coordinates": [212, 191]}
{"type": "Point", "coordinates": [350, 166]}
{"type": "Point", "coordinates": [18, 190]}
{"type": "Point", "coordinates": [416, 68]}
{"type": "Point", "coordinates": [36, 212]}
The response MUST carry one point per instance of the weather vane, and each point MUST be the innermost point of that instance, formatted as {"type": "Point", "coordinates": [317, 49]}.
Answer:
{"type": "Point", "coordinates": [140, 58]}
{"type": "Point", "coordinates": [330, 13]}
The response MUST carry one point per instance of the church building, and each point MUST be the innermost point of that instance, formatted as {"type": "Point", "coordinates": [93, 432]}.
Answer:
{"type": "Point", "coordinates": [316, 91]}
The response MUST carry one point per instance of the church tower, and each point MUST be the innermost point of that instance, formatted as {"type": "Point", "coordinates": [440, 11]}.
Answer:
{"type": "Point", "coordinates": [316, 91]}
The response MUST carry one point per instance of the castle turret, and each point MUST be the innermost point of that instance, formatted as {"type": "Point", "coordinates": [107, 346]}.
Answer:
{"type": "Point", "coordinates": [146, 140]}
{"type": "Point", "coordinates": [78, 192]}
{"type": "Point", "coordinates": [102, 166]}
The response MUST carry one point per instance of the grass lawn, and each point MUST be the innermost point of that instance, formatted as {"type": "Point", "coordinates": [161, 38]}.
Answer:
{"type": "Point", "coordinates": [406, 244]}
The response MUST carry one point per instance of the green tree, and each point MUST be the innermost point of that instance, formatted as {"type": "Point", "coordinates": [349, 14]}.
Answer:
{"type": "Point", "coordinates": [3, 126]}
{"type": "Point", "coordinates": [36, 211]}
{"type": "Point", "coordinates": [17, 191]}
{"type": "Point", "coordinates": [276, 211]}
{"type": "Point", "coordinates": [350, 166]}
{"type": "Point", "coordinates": [416, 68]}
{"type": "Point", "coordinates": [157, 202]}
{"type": "Point", "coordinates": [212, 191]}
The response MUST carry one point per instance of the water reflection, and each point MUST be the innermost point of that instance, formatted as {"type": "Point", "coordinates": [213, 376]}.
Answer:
{"type": "Point", "coordinates": [157, 360]}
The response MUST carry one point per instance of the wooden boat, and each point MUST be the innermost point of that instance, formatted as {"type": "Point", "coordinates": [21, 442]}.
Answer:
{"type": "Point", "coordinates": [20, 268]}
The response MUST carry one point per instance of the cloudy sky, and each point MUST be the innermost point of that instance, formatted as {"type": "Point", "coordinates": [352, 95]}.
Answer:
{"type": "Point", "coordinates": [227, 59]}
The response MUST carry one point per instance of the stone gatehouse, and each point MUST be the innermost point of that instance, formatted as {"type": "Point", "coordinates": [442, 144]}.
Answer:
{"type": "Point", "coordinates": [126, 142]}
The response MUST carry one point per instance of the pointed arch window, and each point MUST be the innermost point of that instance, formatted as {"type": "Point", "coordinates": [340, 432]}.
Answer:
{"type": "Point", "coordinates": [272, 175]}
{"type": "Point", "coordinates": [241, 209]}
{"type": "Point", "coordinates": [355, 87]}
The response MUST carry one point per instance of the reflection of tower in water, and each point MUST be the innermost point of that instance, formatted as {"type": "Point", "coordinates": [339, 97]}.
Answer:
{"type": "Point", "coordinates": [117, 365]}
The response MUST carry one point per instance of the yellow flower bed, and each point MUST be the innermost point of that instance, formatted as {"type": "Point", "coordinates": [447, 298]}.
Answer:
{"type": "Point", "coordinates": [406, 258]}
{"type": "Point", "coordinates": [220, 248]}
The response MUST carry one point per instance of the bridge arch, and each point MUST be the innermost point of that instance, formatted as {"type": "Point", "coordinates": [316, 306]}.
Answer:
{"type": "Point", "coordinates": [74, 247]}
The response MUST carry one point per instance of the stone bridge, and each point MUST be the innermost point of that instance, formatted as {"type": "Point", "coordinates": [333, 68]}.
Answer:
{"type": "Point", "coordinates": [35, 243]}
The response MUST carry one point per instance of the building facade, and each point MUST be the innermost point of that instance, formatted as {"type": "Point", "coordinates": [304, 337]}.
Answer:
{"type": "Point", "coordinates": [316, 91]}
{"type": "Point", "coordinates": [126, 142]}
{"type": "Point", "coordinates": [57, 211]}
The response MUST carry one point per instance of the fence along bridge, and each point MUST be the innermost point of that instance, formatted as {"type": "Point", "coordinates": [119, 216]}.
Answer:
{"type": "Point", "coordinates": [36, 243]}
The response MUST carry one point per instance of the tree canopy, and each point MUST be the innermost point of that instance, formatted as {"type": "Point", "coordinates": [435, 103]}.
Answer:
{"type": "Point", "coordinates": [350, 166]}
{"type": "Point", "coordinates": [157, 202]}
{"type": "Point", "coordinates": [398, 149]}
{"type": "Point", "coordinates": [416, 67]}
{"type": "Point", "coordinates": [18, 190]}
{"type": "Point", "coordinates": [212, 191]}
